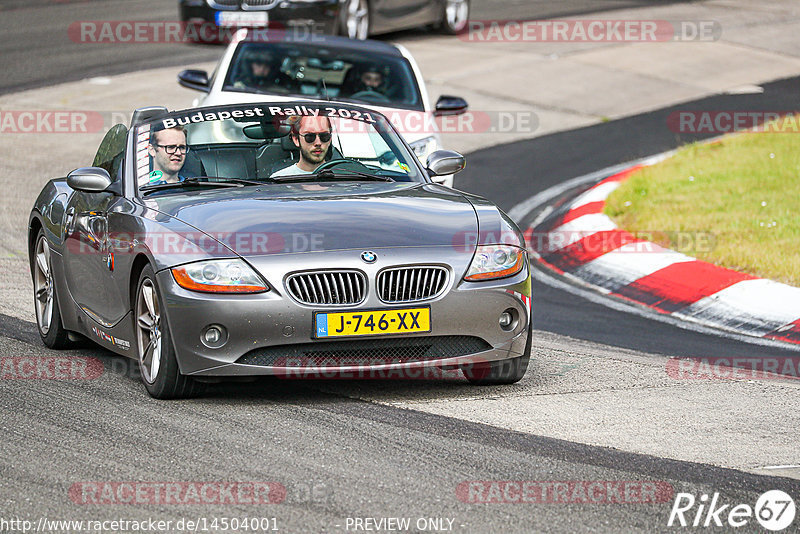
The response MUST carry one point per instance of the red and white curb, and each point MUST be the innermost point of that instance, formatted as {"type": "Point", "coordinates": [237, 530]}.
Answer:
{"type": "Point", "coordinates": [583, 244]}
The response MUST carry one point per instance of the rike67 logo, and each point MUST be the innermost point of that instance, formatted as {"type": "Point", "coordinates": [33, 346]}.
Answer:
{"type": "Point", "coordinates": [774, 510]}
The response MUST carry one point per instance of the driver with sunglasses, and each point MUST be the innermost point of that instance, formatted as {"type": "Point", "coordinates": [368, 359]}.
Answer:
{"type": "Point", "coordinates": [168, 150]}
{"type": "Point", "coordinates": [312, 135]}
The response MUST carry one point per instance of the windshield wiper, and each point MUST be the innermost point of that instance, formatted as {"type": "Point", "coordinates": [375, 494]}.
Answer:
{"type": "Point", "coordinates": [328, 174]}
{"type": "Point", "coordinates": [206, 181]}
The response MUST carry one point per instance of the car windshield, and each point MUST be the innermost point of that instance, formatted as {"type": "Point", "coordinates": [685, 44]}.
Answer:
{"type": "Point", "coordinates": [260, 144]}
{"type": "Point", "coordinates": [325, 72]}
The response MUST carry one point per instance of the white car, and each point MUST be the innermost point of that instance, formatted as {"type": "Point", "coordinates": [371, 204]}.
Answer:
{"type": "Point", "coordinates": [374, 74]}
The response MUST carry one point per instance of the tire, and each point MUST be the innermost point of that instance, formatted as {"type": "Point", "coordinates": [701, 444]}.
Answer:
{"type": "Point", "coordinates": [501, 372]}
{"type": "Point", "coordinates": [354, 21]}
{"type": "Point", "coordinates": [45, 298]}
{"type": "Point", "coordinates": [158, 365]}
{"type": "Point", "coordinates": [455, 16]}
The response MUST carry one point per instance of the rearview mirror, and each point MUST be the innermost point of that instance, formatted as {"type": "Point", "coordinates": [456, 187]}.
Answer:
{"type": "Point", "coordinates": [450, 105]}
{"type": "Point", "coordinates": [89, 179]}
{"type": "Point", "coordinates": [445, 162]}
{"type": "Point", "coordinates": [194, 79]}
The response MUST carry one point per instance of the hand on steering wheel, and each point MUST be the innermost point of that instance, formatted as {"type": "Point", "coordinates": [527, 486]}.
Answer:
{"type": "Point", "coordinates": [334, 162]}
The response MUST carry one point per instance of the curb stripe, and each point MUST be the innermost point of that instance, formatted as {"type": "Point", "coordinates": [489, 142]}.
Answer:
{"type": "Point", "coordinates": [758, 307]}
{"type": "Point", "coordinates": [578, 229]}
{"type": "Point", "coordinates": [585, 243]}
{"type": "Point", "coordinates": [627, 264]}
{"type": "Point", "coordinates": [680, 284]}
{"type": "Point", "coordinates": [589, 248]}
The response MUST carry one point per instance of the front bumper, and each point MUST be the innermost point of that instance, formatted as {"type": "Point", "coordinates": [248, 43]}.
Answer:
{"type": "Point", "coordinates": [466, 316]}
{"type": "Point", "coordinates": [321, 16]}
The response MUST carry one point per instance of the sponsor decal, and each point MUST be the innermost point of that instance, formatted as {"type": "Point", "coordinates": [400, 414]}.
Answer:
{"type": "Point", "coordinates": [108, 338]}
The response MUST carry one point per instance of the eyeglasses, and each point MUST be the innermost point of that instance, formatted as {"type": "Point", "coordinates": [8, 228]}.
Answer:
{"type": "Point", "coordinates": [310, 137]}
{"type": "Point", "coordinates": [171, 149]}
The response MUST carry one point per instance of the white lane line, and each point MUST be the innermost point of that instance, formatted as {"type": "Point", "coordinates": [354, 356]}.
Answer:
{"type": "Point", "coordinates": [790, 466]}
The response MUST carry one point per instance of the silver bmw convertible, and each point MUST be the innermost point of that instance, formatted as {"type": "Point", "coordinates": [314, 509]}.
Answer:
{"type": "Point", "coordinates": [291, 239]}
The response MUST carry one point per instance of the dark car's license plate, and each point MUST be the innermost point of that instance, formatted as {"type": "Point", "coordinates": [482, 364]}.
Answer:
{"type": "Point", "coordinates": [372, 322]}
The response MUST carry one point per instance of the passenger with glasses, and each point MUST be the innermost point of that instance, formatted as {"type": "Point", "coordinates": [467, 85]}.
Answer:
{"type": "Point", "coordinates": [312, 135]}
{"type": "Point", "coordinates": [168, 150]}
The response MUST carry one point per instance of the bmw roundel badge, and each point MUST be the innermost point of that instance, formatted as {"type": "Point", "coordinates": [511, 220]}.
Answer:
{"type": "Point", "coordinates": [368, 256]}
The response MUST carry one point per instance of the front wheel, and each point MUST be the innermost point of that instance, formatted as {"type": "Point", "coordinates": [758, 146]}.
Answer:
{"type": "Point", "coordinates": [48, 314]}
{"type": "Point", "coordinates": [503, 371]}
{"type": "Point", "coordinates": [157, 362]}
{"type": "Point", "coordinates": [455, 16]}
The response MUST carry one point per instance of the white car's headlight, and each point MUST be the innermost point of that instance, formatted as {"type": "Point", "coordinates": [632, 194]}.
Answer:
{"type": "Point", "coordinates": [495, 261]}
{"type": "Point", "coordinates": [423, 147]}
{"type": "Point", "coordinates": [219, 276]}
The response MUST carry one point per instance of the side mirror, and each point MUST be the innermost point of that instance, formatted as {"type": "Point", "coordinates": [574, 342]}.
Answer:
{"type": "Point", "coordinates": [445, 162]}
{"type": "Point", "coordinates": [89, 179]}
{"type": "Point", "coordinates": [194, 79]}
{"type": "Point", "coordinates": [450, 105]}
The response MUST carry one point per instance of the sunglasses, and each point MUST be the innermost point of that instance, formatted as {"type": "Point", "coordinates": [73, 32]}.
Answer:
{"type": "Point", "coordinates": [310, 137]}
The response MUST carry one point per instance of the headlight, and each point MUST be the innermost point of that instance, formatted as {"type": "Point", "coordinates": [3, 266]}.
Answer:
{"type": "Point", "coordinates": [423, 147]}
{"type": "Point", "coordinates": [495, 261]}
{"type": "Point", "coordinates": [219, 276]}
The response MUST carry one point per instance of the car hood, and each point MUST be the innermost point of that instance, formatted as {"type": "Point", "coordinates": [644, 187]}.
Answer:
{"type": "Point", "coordinates": [296, 218]}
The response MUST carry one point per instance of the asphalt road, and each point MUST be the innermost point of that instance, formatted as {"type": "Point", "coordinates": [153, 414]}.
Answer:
{"type": "Point", "coordinates": [36, 48]}
{"type": "Point", "coordinates": [337, 456]}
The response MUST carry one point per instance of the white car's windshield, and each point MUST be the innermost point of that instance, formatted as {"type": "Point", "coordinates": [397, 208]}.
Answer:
{"type": "Point", "coordinates": [269, 144]}
{"type": "Point", "coordinates": [319, 71]}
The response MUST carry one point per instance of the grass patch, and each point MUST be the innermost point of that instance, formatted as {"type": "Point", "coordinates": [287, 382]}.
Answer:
{"type": "Point", "coordinates": [735, 203]}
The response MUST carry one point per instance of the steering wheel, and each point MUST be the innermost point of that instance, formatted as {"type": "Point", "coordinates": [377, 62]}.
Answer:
{"type": "Point", "coordinates": [370, 95]}
{"type": "Point", "coordinates": [360, 167]}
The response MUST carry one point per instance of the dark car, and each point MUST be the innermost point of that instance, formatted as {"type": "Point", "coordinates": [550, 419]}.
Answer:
{"type": "Point", "coordinates": [201, 245]}
{"type": "Point", "coordinates": [357, 19]}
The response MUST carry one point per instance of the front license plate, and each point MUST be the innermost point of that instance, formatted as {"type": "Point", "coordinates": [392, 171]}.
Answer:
{"type": "Point", "coordinates": [256, 19]}
{"type": "Point", "coordinates": [372, 322]}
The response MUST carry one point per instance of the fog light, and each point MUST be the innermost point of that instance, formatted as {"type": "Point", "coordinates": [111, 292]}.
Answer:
{"type": "Point", "coordinates": [506, 319]}
{"type": "Point", "coordinates": [214, 336]}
